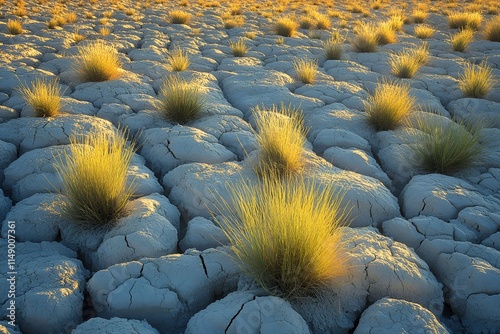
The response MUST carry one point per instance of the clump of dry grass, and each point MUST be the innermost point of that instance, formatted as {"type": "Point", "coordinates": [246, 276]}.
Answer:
{"type": "Point", "coordinates": [406, 63]}
{"type": "Point", "coordinates": [462, 20]}
{"type": "Point", "coordinates": [178, 60]}
{"type": "Point", "coordinates": [390, 104]}
{"type": "Point", "coordinates": [306, 22]}
{"type": "Point", "coordinates": [419, 16]}
{"type": "Point", "coordinates": [94, 178]}
{"type": "Point", "coordinates": [238, 48]}
{"type": "Point", "coordinates": [306, 69]}
{"type": "Point", "coordinates": [97, 61]}
{"type": "Point", "coordinates": [460, 40]}
{"type": "Point", "coordinates": [281, 139]}
{"type": "Point", "coordinates": [385, 34]}
{"type": "Point", "coordinates": [333, 46]}
{"type": "Point", "coordinates": [180, 101]}
{"type": "Point", "coordinates": [297, 249]}
{"type": "Point", "coordinates": [233, 22]}
{"type": "Point", "coordinates": [286, 26]}
{"type": "Point", "coordinates": [179, 17]}
{"type": "Point", "coordinates": [322, 21]}
{"type": "Point", "coordinates": [446, 147]}
{"type": "Point", "coordinates": [365, 39]}
{"type": "Point", "coordinates": [476, 80]}
{"type": "Point", "coordinates": [70, 17]}
{"type": "Point", "coordinates": [77, 37]}
{"type": "Point", "coordinates": [15, 27]}
{"type": "Point", "coordinates": [44, 97]}
{"type": "Point", "coordinates": [492, 29]}
{"type": "Point", "coordinates": [424, 31]}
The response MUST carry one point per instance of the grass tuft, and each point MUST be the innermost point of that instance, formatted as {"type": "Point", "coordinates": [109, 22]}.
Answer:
{"type": "Point", "coordinates": [424, 31]}
{"type": "Point", "coordinates": [180, 100]}
{"type": "Point", "coordinates": [492, 29]}
{"type": "Point", "coordinates": [365, 39]}
{"type": "Point", "coordinates": [178, 60]}
{"type": "Point", "coordinates": [385, 34]}
{"type": "Point", "coordinates": [15, 27]}
{"type": "Point", "coordinates": [286, 235]}
{"type": "Point", "coordinates": [460, 40]}
{"type": "Point", "coordinates": [44, 97]}
{"type": "Point", "coordinates": [333, 46]}
{"type": "Point", "coordinates": [462, 20]}
{"type": "Point", "coordinates": [179, 17]}
{"type": "Point", "coordinates": [446, 147]}
{"type": "Point", "coordinates": [389, 106]}
{"type": "Point", "coordinates": [419, 16]}
{"type": "Point", "coordinates": [306, 69]}
{"type": "Point", "coordinates": [477, 80]}
{"type": "Point", "coordinates": [239, 48]}
{"type": "Point", "coordinates": [286, 26]}
{"type": "Point", "coordinates": [97, 61]}
{"type": "Point", "coordinates": [94, 178]}
{"type": "Point", "coordinates": [406, 63]}
{"type": "Point", "coordinates": [281, 138]}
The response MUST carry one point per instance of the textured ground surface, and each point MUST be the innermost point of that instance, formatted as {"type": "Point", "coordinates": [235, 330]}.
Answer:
{"type": "Point", "coordinates": [424, 249]}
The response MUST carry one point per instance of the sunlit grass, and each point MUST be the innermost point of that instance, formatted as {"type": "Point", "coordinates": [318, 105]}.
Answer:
{"type": "Point", "coordinates": [406, 63]}
{"type": "Point", "coordinates": [476, 80]}
{"type": "Point", "coordinates": [365, 39]}
{"type": "Point", "coordinates": [281, 139]}
{"type": "Point", "coordinates": [333, 46]}
{"type": "Point", "coordinates": [492, 29]}
{"type": "Point", "coordinates": [419, 16]}
{"type": "Point", "coordinates": [94, 178]}
{"type": "Point", "coordinates": [385, 34]}
{"type": "Point", "coordinates": [178, 60]}
{"type": "Point", "coordinates": [446, 147]}
{"type": "Point", "coordinates": [389, 106]}
{"type": "Point", "coordinates": [460, 40]}
{"type": "Point", "coordinates": [322, 22]}
{"type": "Point", "coordinates": [285, 234]}
{"type": "Point", "coordinates": [15, 27]}
{"type": "Point", "coordinates": [286, 26]}
{"type": "Point", "coordinates": [179, 17]}
{"type": "Point", "coordinates": [462, 20]}
{"type": "Point", "coordinates": [238, 48]}
{"type": "Point", "coordinates": [424, 31]}
{"type": "Point", "coordinates": [306, 69]}
{"type": "Point", "coordinates": [306, 22]}
{"type": "Point", "coordinates": [97, 61]}
{"type": "Point", "coordinates": [180, 101]}
{"type": "Point", "coordinates": [44, 97]}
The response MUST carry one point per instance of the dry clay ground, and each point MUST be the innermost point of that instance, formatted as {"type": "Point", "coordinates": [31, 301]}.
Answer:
{"type": "Point", "coordinates": [424, 248]}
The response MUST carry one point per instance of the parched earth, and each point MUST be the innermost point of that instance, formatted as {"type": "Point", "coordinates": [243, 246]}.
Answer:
{"type": "Point", "coordinates": [423, 248]}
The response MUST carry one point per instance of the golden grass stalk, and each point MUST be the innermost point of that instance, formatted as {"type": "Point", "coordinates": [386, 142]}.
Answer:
{"type": "Point", "coordinates": [285, 234]}
{"type": "Point", "coordinates": [389, 106]}
{"type": "Point", "coordinates": [97, 61]}
{"type": "Point", "coordinates": [44, 97]}
{"type": "Point", "coordinates": [385, 34]}
{"type": "Point", "coordinates": [94, 178]}
{"type": "Point", "coordinates": [333, 46]}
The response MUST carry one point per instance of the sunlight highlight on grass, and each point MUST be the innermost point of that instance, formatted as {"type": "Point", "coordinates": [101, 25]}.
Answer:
{"type": "Point", "coordinates": [94, 175]}
{"type": "Point", "coordinates": [285, 234]}
{"type": "Point", "coordinates": [281, 138]}
{"type": "Point", "coordinates": [44, 97]}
